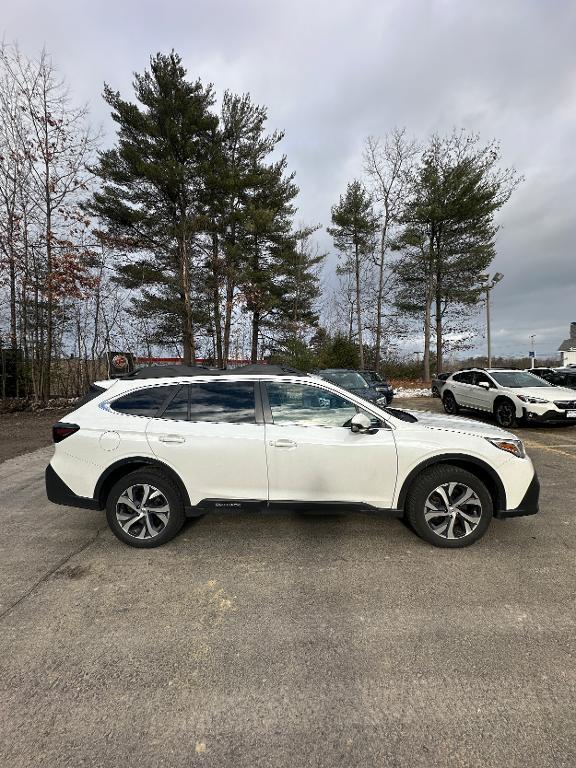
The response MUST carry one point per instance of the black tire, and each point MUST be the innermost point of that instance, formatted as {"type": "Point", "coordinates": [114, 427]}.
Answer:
{"type": "Point", "coordinates": [505, 413]}
{"type": "Point", "coordinates": [474, 514]}
{"type": "Point", "coordinates": [156, 527]}
{"type": "Point", "coordinates": [435, 392]}
{"type": "Point", "coordinates": [450, 405]}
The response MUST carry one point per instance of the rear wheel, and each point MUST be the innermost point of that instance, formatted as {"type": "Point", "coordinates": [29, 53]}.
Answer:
{"type": "Point", "coordinates": [505, 413]}
{"type": "Point", "coordinates": [144, 509]}
{"type": "Point", "coordinates": [450, 404]}
{"type": "Point", "coordinates": [449, 507]}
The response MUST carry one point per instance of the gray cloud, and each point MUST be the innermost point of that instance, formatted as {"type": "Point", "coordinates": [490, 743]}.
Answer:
{"type": "Point", "coordinates": [333, 72]}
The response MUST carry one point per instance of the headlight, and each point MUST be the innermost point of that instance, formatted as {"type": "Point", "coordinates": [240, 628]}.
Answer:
{"type": "Point", "coordinates": [382, 401]}
{"type": "Point", "coordinates": [515, 447]}
{"type": "Point", "coordinates": [530, 399]}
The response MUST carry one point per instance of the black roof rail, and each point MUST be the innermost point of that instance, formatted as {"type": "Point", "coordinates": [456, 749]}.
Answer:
{"type": "Point", "coordinates": [173, 371]}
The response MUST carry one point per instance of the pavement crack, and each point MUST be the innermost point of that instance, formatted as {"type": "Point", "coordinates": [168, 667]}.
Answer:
{"type": "Point", "coordinates": [49, 573]}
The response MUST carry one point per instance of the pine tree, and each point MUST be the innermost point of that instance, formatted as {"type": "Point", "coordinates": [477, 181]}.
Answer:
{"type": "Point", "coordinates": [354, 233]}
{"type": "Point", "coordinates": [153, 194]}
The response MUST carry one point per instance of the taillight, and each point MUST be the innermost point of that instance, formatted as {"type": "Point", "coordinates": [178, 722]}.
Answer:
{"type": "Point", "coordinates": [61, 431]}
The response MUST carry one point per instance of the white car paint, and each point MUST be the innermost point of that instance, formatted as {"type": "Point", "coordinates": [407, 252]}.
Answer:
{"type": "Point", "coordinates": [478, 398]}
{"type": "Point", "coordinates": [279, 462]}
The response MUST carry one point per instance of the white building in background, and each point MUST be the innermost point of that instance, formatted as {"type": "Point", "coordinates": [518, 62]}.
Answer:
{"type": "Point", "coordinates": [568, 347]}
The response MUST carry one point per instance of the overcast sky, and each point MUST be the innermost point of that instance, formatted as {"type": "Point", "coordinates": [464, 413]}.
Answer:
{"type": "Point", "coordinates": [333, 72]}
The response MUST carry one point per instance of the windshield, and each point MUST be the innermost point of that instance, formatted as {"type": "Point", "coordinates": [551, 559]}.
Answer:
{"type": "Point", "coordinates": [347, 379]}
{"type": "Point", "coordinates": [517, 379]}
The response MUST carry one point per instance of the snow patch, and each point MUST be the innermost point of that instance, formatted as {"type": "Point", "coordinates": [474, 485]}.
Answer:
{"type": "Point", "coordinates": [400, 392]}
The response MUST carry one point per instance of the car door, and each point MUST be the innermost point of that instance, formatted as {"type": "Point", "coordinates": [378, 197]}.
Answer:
{"type": "Point", "coordinates": [480, 397]}
{"type": "Point", "coordinates": [313, 457]}
{"type": "Point", "coordinates": [462, 388]}
{"type": "Point", "coordinates": [210, 434]}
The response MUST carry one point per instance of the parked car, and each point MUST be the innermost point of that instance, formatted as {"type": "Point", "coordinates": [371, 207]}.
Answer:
{"type": "Point", "coordinates": [354, 382]}
{"type": "Point", "coordinates": [559, 377]}
{"type": "Point", "coordinates": [155, 451]}
{"type": "Point", "coordinates": [510, 395]}
{"type": "Point", "coordinates": [380, 384]}
{"type": "Point", "coordinates": [438, 383]}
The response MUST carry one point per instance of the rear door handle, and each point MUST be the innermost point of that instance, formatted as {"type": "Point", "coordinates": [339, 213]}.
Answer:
{"type": "Point", "coordinates": [171, 439]}
{"type": "Point", "coordinates": [283, 443]}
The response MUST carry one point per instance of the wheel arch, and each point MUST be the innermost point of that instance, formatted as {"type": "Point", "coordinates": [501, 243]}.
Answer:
{"type": "Point", "coordinates": [120, 468]}
{"type": "Point", "coordinates": [507, 398]}
{"type": "Point", "coordinates": [481, 469]}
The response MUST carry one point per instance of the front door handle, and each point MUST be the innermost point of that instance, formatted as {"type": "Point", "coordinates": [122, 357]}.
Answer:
{"type": "Point", "coordinates": [171, 439]}
{"type": "Point", "coordinates": [283, 443]}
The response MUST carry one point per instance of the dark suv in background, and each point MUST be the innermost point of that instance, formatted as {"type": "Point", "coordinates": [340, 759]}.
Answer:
{"type": "Point", "coordinates": [559, 377]}
{"type": "Point", "coordinates": [379, 383]}
{"type": "Point", "coordinates": [354, 382]}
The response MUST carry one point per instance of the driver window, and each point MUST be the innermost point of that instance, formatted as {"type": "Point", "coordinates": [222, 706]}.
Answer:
{"type": "Point", "coordinates": [307, 406]}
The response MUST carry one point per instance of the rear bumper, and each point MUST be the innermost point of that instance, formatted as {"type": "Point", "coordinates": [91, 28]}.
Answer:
{"type": "Point", "coordinates": [59, 493]}
{"type": "Point", "coordinates": [528, 505]}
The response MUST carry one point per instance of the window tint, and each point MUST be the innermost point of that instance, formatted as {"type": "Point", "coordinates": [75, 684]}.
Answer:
{"type": "Point", "coordinates": [143, 402]}
{"type": "Point", "coordinates": [464, 378]}
{"type": "Point", "coordinates": [308, 406]}
{"type": "Point", "coordinates": [177, 408]}
{"type": "Point", "coordinates": [230, 402]}
{"type": "Point", "coordinates": [482, 377]}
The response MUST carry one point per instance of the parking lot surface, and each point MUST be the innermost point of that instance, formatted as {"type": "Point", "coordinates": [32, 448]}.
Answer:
{"type": "Point", "coordinates": [288, 640]}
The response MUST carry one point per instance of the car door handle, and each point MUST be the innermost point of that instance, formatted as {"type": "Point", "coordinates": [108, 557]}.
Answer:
{"type": "Point", "coordinates": [171, 439]}
{"type": "Point", "coordinates": [283, 443]}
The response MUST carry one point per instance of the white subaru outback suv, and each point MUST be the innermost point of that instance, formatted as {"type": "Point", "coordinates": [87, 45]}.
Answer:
{"type": "Point", "coordinates": [510, 395]}
{"type": "Point", "coordinates": [153, 451]}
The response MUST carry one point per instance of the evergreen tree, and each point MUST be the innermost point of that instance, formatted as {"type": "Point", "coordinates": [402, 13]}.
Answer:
{"type": "Point", "coordinates": [354, 233]}
{"type": "Point", "coordinates": [448, 231]}
{"type": "Point", "coordinates": [153, 194]}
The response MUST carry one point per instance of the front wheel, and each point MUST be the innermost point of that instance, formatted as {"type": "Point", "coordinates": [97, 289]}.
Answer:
{"type": "Point", "coordinates": [505, 413]}
{"type": "Point", "coordinates": [449, 507]}
{"type": "Point", "coordinates": [450, 404]}
{"type": "Point", "coordinates": [144, 509]}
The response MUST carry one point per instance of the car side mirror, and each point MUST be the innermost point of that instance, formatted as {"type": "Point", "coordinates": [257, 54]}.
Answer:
{"type": "Point", "coordinates": [484, 385]}
{"type": "Point", "coordinates": [361, 423]}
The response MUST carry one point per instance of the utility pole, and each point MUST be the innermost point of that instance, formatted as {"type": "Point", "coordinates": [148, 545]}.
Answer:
{"type": "Point", "coordinates": [532, 351]}
{"type": "Point", "coordinates": [490, 283]}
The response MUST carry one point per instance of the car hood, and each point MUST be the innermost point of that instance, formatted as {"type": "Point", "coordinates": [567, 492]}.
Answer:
{"type": "Point", "coordinates": [367, 393]}
{"type": "Point", "coordinates": [546, 393]}
{"type": "Point", "coordinates": [457, 424]}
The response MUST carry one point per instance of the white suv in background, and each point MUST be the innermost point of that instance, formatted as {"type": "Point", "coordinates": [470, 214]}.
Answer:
{"type": "Point", "coordinates": [161, 445]}
{"type": "Point", "coordinates": [510, 395]}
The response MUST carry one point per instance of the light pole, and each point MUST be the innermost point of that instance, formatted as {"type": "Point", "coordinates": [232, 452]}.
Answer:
{"type": "Point", "coordinates": [532, 350]}
{"type": "Point", "coordinates": [490, 283]}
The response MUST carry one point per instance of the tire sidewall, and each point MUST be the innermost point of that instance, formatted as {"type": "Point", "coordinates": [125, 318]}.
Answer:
{"type": "Point", "coordinates": [449, 398]}
{"type": "Point", "coordinates": [425, 484]}
{"type": "Point", "coordinates": [509, 404]}
{"type": "Point", "coordinates": [160, 481]}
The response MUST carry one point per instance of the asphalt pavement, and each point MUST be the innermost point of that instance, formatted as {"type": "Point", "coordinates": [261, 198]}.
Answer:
{"type": "Point", "coordinates": [288, 639]}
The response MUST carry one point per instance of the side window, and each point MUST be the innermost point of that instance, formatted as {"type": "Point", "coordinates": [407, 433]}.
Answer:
{"type": "Point", "coordinates": [482, 377]}
{"type": "Point", "coordinates": [228, 402]}
{"type": "Point", "coordinates": [463, 378]}
{"type": "Point", "coordinates": [177, 408]}
{"type": "Point", "coordinates": [307, 406]}
{"type": "Point", "coordinates": [143, 402]}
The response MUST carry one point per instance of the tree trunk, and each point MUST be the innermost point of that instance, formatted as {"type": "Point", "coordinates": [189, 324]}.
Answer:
{"type": "Point", "coordinates": [216, 301]}
{"type": "Point", "coordinates": [255, 334]}
{"type": "Point", "coordinates": [359, 310]}
{"type": "Point", "coordinates": [439, 340]}
{"type": "Point", "coordinates": [228, 318]}
{"type": "Point", "coordinates": [427, 323]}
{"type": "Point", "coordinates": [380, 297]}
{"type": "Point", "coordinates": [188, 345]}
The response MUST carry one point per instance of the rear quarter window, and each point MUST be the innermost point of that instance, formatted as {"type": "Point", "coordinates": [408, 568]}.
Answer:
{"type": "Point", "coordinates": [144, 402]}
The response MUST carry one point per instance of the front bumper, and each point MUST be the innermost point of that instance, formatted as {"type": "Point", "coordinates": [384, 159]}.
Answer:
{"type": "Point", "coordinates": [547, 417]}
{"type": "Point", "coordinates": [528, 505]}
{"type": "Point", "coordinates": [59, 493]}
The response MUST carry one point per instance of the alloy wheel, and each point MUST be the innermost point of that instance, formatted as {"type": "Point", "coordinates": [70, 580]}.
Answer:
{"type": "Point", "coordinates": [142, 511]}
{"type": "Point", "coordinates": [453, 510]}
